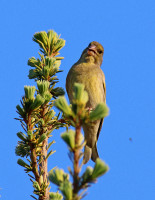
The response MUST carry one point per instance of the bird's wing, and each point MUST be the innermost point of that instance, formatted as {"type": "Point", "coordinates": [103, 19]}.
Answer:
{"type": "Point", "coordinates": [104, 99]}
{"type": "Point", "coordinates": [104, 89]}
{"type": "Point", "coordinates": [69, 86]}
{"type": "Point", "coordinates": [99, 128]}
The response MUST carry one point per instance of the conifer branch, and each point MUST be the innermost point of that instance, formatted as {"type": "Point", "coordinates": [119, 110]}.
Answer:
{"type": "Point", "coordinates": [36, 113]}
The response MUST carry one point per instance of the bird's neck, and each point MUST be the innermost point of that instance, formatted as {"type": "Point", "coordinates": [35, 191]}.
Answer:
{"type": "Point", "coordinates": [88, 59]}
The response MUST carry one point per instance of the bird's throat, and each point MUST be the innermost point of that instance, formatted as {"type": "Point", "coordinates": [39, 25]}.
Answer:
{"type": "Point", "coordinates": [90, 59]}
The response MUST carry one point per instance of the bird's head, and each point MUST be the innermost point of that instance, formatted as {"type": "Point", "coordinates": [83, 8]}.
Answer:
{"type": "Point", "coordinates": [93, 53]}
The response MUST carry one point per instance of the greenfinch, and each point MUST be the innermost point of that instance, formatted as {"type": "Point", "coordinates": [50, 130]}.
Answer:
{"type": "Point", "coordinates": [87, 71]}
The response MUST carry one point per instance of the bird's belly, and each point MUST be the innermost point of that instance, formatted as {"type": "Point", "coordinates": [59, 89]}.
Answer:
{"type": "Point", "coordinates": [93, 86]}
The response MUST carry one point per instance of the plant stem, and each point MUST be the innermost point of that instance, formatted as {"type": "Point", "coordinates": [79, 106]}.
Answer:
{"type": "Point", "coordinates": [76, 160]}
{"type": "Point", "coordinates": [43, 164]}
{"type": "Point", "coordinates": [34, 163]}
{"type": "Point", "coordinates": [33, 152]}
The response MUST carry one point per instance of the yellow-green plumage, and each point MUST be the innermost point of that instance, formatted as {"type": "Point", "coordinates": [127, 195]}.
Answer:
{"type": "Point", "coordinates": [88, 72]}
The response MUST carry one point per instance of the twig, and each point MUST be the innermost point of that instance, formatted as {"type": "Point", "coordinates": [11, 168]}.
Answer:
{"type": "Point", "coordinates": [76, 160]}
{"type": "Point", "coordinates": [43, 165]}
{"type": "Point", "coordinates": [33, 154]}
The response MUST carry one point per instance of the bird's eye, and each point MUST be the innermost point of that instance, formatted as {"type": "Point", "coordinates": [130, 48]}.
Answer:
{"type": "Point", "coordinates": [100, 51]}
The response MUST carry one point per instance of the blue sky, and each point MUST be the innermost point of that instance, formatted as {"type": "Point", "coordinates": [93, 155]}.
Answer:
{"type": "Point", "coordinates": [126, 29]}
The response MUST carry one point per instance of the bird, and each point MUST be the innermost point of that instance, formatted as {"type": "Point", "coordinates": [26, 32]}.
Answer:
{"type": "Point", "coordinates": [87, 71]}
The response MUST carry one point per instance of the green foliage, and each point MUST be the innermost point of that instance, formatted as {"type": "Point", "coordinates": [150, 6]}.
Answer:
{"type": "Point", "coordinates": [61, 179]}
{"type": "Point", "coordinates": [99, 169]}
{"type": "Point", "coordinates": [80, 95]}
{"type": "Point", "coordinates": [100, 111]}
{"type": "Point", "coordinates": [37, 102]}
{"type": "Point", "coordinates": [45, 69]}
{"type": "Point", "coordinates": [57, 92]}
{"type": "Point", "coordinates": [69, 138]}
{"type": "Point", "coordinates": [86, 177]}
{"type": "Point", "coordinates": [55, 196]}
{"type": "Point", "coordinates": [66, 189]}
{"type": "Point", "coordinates": [29, 92]}
{"type": "Point", "coordinates": [50, 43]}
{"type": "Point", "coordinates": [36, 185]}
{"type": "Point", "coordinates": [36, 113]}
{"type": "Point", "coordinates": [58, 176]}
{"type": "Point", "coordinates": [43, 87]}
{"type": "Point", "coordinates": [62, 105]}
{"type": "Point", "coordinates": [21, 136]}
{"type": "Point", "coordinates": [22, 149]}
{"type": "Point", "coordinates": [42, 138]}
{"type": "Point", "coordinates": [29, 103]}
{"type": "Point", "coordinates": [22, 163]}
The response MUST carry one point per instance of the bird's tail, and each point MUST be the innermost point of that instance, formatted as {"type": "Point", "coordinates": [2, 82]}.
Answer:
{"type": "Point", "coordinates": [90, 153]}
{"type": "Point", "coordinates": [94, 154]}
{"type": "Point", "coordinates": [87, 154]}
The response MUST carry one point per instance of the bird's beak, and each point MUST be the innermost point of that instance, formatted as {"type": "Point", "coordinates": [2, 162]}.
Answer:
{"type": "Point", "coordinates": [91, 49]}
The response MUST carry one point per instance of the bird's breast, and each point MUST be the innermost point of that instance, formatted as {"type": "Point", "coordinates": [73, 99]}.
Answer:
{"type": "Point", "coordinates": [91, 78]}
